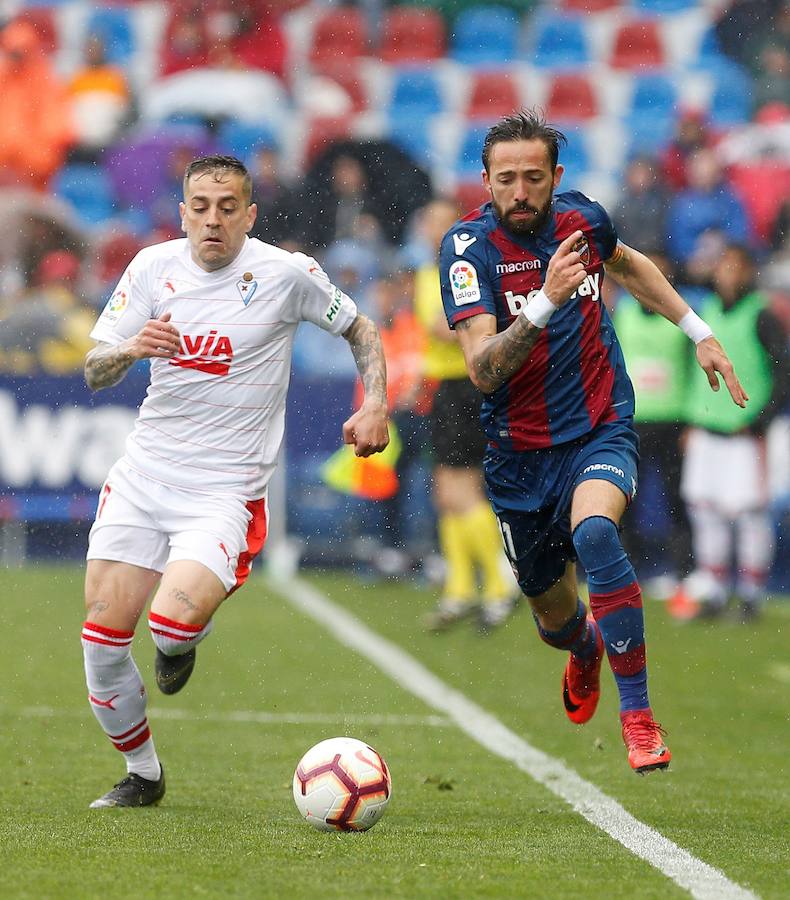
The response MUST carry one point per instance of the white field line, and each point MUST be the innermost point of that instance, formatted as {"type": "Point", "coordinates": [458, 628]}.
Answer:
{"type": "Point", "coordinates": [780, 672]}
{"type": "Point", "coordinates": [698, 878]}
{"type": "Point", "coordinates": [252, 717]}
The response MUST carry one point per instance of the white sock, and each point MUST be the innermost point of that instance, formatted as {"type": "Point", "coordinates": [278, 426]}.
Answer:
{"type": "Point", "coordinates": [175, 638]}
{"type": "Point", "coordinates": [117, 696]}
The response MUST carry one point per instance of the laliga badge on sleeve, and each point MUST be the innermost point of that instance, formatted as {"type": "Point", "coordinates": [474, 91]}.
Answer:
{"type": "Point", "coordinates": [246, 287]}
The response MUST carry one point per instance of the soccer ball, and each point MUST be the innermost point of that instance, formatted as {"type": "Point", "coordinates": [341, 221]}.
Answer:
{"type": "Point", "coordinates": [342, 784]}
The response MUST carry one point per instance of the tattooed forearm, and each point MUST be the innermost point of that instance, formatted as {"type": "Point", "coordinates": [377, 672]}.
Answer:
{"type": "Point", "coordinates": [501, 355]}
{"type": "Point", "coordinates": [106, 365]}
{"type": "Point", "coordinates": [365, 341]}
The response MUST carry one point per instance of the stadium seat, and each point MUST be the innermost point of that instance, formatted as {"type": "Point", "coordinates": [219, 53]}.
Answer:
{"type": "Point", "coordinates": [663, 7]}
{"type": "Point", "coordinates": [709, 54]}
{"type": "Point", "coordinates": [560, 42]}
{"type": "Point", "coordinates": [485, 36]}
{"type": "Point", "coordinates": [43, 21]}
{"type": "Point", "coordinates": [638, 45]}
{"type": "Point", "coordinates": [762, 186]}
{"type": "Point", "coordinates": [649, 132]}
{"type": "Point", "coordinates": [571, 98]}
{"type": "Point", "coordinates": [585, 7]}
{"type": "Point", "coordinates": [493, 94]}
{"type": "Point", "coordinates": [731, 103]}
{"type": "Point", "coordinates": [574, 157]}
{"type": "Point", "coordinates": [469, 163]}
{"type": "Point", "coordinates": [412, 133]}
{"type": "Point", "coordinates": [415, 91]}
{"type": "Point", "coordinates": [322, 132]}
{"type": "Point", "coordinates": [411, 34]}
{"type": "Point", "coordinates": [340, 33]}
{"type": "Point", "coordinates": [471, 194]}
{"type": "Point", "coordinates": [113, 24]}
{"type": "Point", "coordinates": [349, 75]}
{"type": "Point", "coordinates": [242, 139]}
{"type": "Point", "coordinates": [88, 189]}
{"type": "Point", "coordinates": [654, 93]}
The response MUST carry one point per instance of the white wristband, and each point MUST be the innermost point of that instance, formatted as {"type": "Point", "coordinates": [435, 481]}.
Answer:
{"type": "Point", "coordinates": [539, 309]}
{"type": "Point", "coordinates": [697, 329]}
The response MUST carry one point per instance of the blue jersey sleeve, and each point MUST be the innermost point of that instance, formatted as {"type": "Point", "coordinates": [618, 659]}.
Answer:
{"type": "Point", "coordinates": [464, 274]}
{"type": "Point", "coordinates": [604, 232]}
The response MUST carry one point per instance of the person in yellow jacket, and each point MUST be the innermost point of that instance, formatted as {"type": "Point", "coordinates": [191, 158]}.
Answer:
{"type": "Point", "coordinates": [724, 469]}
{"type": "Point", "coordinates": [469, 537]}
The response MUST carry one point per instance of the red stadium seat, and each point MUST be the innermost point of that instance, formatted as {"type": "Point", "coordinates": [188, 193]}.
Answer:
{"type": "Point", "coordinates": [322, 132]}
{"type": "Point", "coordinates": [571, 98]}
{"type": "Point", "coordinates": [340, 34]}
{"type": "Point", "coordinates": [470, 195]}
{"type": "Point", "coordinates": [588, 6]}
{"type": "Point", "coordinates": [493, 94]}
{"type": "Point", "coordinates": [349, 76]}
{"type": "Point", "coordinates": [762, 187]}
{"type": "Point", "coordinates": [412, 34]}
{"type": "Point", "coordinates": [638, 45]}
{"type": "Point", "coordinates": [43, 21]}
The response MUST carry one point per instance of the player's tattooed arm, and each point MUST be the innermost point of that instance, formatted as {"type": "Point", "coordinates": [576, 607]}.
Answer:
{"type": "Point", "coordinates": [107, 364]}
{"type": "Point", "coordinates": [492, 359]}
{"type": "Point", "coordinates": [367, 428]}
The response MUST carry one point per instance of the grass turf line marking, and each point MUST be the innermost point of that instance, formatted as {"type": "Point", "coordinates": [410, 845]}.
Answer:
{"type": "Point", "coordinates": [701, 880]}
{"type": "Point", "coordinates": [253, 717]}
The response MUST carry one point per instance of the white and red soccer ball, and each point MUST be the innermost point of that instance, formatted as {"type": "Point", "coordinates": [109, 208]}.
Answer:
{"type": "Point", "coordinates": [342, 784]}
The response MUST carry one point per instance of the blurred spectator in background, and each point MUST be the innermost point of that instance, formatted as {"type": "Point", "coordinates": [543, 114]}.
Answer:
{"type": "Point", "coordinates": [469, 537]}
{"type": "Point", "coordinates": [100, 99]}
{"type": "Point", "coordinates": [772, 84]}
{"type": "Point", "coordinates": [185, 44]}
{"type": "Point", "coordinates": [724, 468]}
{"type": "Point", "coordinates": [46, 329]}
{"type": "Point", "coordinates": [708, 203]}
{"type": "Point", "coordinates": [639, 216]}
{"type": "Point", "coordinates": [275, 199]}
{"type": "Point", "coordinates": [404, 347]}
{"type": "Point", "coordinates": [691, 134]}
{"type": "Point", "coordinates": [35, 119]}
{"type": "Point", "coordinates": [658, 358]}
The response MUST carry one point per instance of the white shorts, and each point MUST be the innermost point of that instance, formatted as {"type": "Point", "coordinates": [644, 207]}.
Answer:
{"type": "Point", "coordinates": [148, 524]}
{"type": "Point", "coordinates": [726, 473]}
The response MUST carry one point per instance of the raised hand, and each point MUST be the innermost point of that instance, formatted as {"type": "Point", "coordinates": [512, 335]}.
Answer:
{"type": "Point", "coordinates": [565, 271]}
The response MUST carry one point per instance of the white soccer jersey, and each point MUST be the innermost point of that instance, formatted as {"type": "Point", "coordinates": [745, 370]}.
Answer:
{"type": "Point", "coordinates": [214, 416]}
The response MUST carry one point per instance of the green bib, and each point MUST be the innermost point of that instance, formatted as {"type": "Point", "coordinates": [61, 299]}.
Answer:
{"type": "Point", "coordinates": [736, 330]}
{"type": "Point", "coordinates": [657, 356]}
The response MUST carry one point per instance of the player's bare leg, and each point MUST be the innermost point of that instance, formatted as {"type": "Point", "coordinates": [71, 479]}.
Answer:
{"type": "Point", "coordinates": [616, 604]}
{"type": "Point", "coordinates": [180, 617]}
{"type": "Point", "coordinates": [115, 596]}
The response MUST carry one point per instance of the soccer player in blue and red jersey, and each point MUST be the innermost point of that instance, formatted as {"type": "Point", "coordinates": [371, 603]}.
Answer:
{"type": "Point", "coordinates": [521, 285]}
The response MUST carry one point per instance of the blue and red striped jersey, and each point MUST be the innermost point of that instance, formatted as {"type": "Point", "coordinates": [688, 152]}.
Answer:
{"type": "Point", "coordinates": [575, 377]}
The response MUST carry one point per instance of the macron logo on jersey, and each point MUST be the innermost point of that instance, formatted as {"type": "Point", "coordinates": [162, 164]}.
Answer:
{"type": "Point", "coordinates": [523, 265]}
{"type": "Point", "coordinates": [211, 353]}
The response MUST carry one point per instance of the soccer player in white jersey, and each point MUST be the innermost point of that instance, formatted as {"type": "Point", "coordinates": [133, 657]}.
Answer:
{"type": "Point", "coordinates": [183, 512]}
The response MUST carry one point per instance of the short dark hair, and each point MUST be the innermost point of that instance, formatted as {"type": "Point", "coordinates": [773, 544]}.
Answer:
{"type": "Point", "coordinates": [216, 164]}
{"type": "Point", "coordinates": [525, 125]}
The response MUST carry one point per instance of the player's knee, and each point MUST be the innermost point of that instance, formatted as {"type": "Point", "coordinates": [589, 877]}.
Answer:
{"type": "Point", "coordinates": [174, 638]}
{"type": "Point", "coordinates": [104, 646]}
{"type": "Point", "coordinates": [596, 539]}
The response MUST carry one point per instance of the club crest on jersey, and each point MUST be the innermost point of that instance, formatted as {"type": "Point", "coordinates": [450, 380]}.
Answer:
{"type": "Point", "coordinates": [582, 247]}
{"type": "Point", "coordinates": [211, 353]}
{"type": "Point", "coordinates": [464, 283]}
{"type": "Point", "coordinates": [246, 289]}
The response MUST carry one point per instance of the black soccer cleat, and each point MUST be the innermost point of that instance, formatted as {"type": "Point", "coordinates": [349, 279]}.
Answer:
{"type": "Point", "coordinates": [134, 790]}
{"type": "Point", "coordinates": [172, 672]}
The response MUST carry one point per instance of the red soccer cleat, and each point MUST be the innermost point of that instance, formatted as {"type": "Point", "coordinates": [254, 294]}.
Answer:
{"type": "Point", "coordinates": [581, 684]}
{"type": "Point", "coordinates": [644, 738]}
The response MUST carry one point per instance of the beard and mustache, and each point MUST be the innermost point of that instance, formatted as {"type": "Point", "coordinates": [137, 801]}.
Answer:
{"type": "Point", "coordinates": [528, 226]}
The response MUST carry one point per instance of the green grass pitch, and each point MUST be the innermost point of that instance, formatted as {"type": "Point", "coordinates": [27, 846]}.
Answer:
{"type": "Point", "coordinates": [462, 823]}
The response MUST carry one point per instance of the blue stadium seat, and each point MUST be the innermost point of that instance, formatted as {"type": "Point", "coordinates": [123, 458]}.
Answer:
{"type": "Point", "coordinates": [485, 36]}
{"type": "Point", "coordinates": [574, 157]}
{"type": "Point", "coordinates": [242, 140]}
{"type": "Point", "coordinates": [88, 189]}
{"type": "Point", "coordinates": [731, 103]}
{"type": "Point", "coordinates": [709, 53]}
{"type": "Point", "coordinates": [469, 163]}
{"type": "Point", "coordinates": [663, 7]}
{"type": "Point", "coordinates": [654, 93]}
{"type": "Point", "coordinates": [114, 26]}
{"type": "Point", "coordinates": [649, 132]}
{"type": "Point", "coordinates": [412, 133]}
{"type": "Point", "coordinates": [560, 42]}
{"type": "Point", "coordinates": [415, 91]}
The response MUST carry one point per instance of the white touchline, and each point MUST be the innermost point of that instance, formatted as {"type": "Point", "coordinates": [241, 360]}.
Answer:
{"type": "Point", "coordinates": [697, 877]}
{"type": "Point", "coordinates": [255, 717]}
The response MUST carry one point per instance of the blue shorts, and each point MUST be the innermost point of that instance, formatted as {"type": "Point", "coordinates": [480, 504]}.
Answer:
{"type": "Point", "coordinates": [531, 494]}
